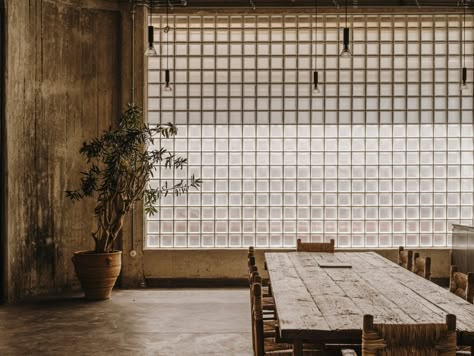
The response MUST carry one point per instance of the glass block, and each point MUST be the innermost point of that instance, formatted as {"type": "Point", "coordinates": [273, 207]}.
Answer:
{"type": "Point", "coordinates": [385, 240]}
{"type": "Point", "coordinates": [440, 224]}
{"type": "Point", "coordinates": [289, 240]}
{"type": "Point", "coordinates": [276, 240]}
{"type": "Point", "coordinates": [371, 240]}
{"type": "Point", "coordinates": [440, 240]}
{"type": "Point", "coordinates": [426, 240]}
{"type": "Point", "coordinates": [412, 240]}
{"type": "Point", "coordinates": [166, 227]}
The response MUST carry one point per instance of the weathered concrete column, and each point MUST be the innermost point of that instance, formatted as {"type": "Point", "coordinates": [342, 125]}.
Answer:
{"type": "Point", "coordinates": [134, 71]}
{"type": "Point", "coordinates": [63, 87]}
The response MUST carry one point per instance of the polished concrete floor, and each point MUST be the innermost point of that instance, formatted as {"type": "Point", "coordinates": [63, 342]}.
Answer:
{"type": "Point", "coordinates": [134, 322]}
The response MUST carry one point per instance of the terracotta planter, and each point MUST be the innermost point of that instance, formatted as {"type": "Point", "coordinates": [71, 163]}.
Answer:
{"type": "Point", "coordinates": [97, 272]}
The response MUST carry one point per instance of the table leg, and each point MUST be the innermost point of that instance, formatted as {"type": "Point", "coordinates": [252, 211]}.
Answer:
{"type": "Point", "coordinates": [297, 348]}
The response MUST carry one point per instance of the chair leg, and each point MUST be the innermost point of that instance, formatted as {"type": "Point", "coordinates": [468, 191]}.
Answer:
{"type": "Point", "coordinates": [297, 348]}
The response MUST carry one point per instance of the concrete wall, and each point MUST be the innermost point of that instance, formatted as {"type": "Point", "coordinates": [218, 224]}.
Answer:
{"type": "Point", "coordinates": [232, 263]}
{"type": "Point", "coordinates": [134, 74]}
{"type": "Point", "coordinates": [3, 258]}
{"type": "Point", "coordinates": [63, 86]}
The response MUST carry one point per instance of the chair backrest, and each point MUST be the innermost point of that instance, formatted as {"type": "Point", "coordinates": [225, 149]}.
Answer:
{"type": "Point", "coordinates": [462, 284]}
{"type": "Point", "coordinates": [251, 251]}
{"type": "Point", "coordinates": [409, 339]}
{"type": "Point", "coordinates": [255, 280]}
{"type": "Point", "coordinates": [422, 266]}
{"type": "Point", "coordinates": [257, 319]}
{"type": "Point", "coordinates": [251, 261]}
{"type": "Point", "coordinates": [405, 258]}
{"type": "Point", "coordinates": [315, 246]}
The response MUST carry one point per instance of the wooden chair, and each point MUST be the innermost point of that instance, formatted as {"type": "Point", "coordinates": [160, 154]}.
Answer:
{"type": "Point", "coordinates": [462, 284]}
{"type": "Point", "coordinates": [267, 289]}
{"type": "Point", "coordinates": [314, 246]}
{"type": "Point", "coordinates": [422, 266]}
{"type": "Point", "coordinates": [268, 320]}
{"type": "Point", "coordinates": [268, 303]}
{"type": "Point", "coordinates": [405, 258]}
{"type": "Point", "coordinates": [264, 343]}
{"type": "Point", "coordinates": [268, 314]}
{"type": "Point", "coordinates": [416, 339]}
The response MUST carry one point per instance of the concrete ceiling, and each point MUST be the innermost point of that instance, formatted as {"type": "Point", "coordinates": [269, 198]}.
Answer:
{"type": "Point", "coordinates": [337, 4]}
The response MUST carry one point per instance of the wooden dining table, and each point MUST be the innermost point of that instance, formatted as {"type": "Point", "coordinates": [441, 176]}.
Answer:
{"type": "Point", "coordinates": [322, 297]}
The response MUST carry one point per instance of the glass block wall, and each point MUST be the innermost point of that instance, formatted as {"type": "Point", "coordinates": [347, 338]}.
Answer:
{"type": "Point", "coordinates": [382, 158]}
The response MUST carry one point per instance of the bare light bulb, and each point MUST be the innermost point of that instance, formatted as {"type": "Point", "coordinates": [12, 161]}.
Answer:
{"type": "Point", "coordinates": [346, 52]}
{"type": "Point", "coordinates": [316, 89]}
{"type": "Point", "coordinates": [151, 51]}
{"type": "Point", "coordinates": [167, 86]}
{"type": "Point", "coordinates": [464, 85]}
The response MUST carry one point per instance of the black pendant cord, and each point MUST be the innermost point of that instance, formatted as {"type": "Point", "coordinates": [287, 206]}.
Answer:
{"type": "Point", "coordinates": [464, 34]}
{"type": "Point", "coordinates": [151, 51]}
{"type": "Point", "coordinates": [316, 90]}
{"type": "Point", "coordinates": [316, 35]}
{"type": "Point", "coordinates": [150, 26]}
{"type": "Point", "coordinates": [463, 49]}
{"type": "Point", "coordinates": [346, 13]}
{"type": "Point", "coordinates": [167, 41]}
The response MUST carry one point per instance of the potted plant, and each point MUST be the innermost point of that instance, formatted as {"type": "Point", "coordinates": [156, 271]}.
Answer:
{"type": "Point", "coordinates": [121, 163]}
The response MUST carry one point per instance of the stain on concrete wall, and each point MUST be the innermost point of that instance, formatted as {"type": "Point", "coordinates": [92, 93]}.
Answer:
{"type": "Point", "coordinates": [63, 86]}
{"type": "Point", "coordinates": [2, 156]}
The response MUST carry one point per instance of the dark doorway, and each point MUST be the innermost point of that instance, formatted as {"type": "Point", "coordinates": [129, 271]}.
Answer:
{"type": "Point", "coordinates": [3, 238]}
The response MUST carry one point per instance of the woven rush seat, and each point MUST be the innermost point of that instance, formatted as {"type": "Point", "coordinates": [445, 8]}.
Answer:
{"type": "Point", "coordinates": [405, 258]}
{"type": "Point", "coordinates": [407, 339]}
{"type": "Point", "coordinates": [422, 266]}
{"type": "Point", "coordinates": [415, 340]}
{"type": "Point", "coordinates": [461, 284]}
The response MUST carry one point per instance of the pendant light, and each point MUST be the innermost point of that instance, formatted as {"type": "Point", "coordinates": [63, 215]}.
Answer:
{"type": "Point", "coordinates": [464, 85]}
{"type": "Point", "coordinates": [346, 52]}
{"type": "Point", "coordinates": [316, 90]}
{"type": "Point", "coordinates": [151, 51]}
{"type": "Point", "coordinates": [167, 86]}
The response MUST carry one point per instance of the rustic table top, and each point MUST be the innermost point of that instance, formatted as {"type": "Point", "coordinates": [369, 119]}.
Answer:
{"type": "Point", "coordinates": [317, 299]}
